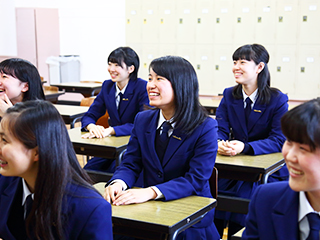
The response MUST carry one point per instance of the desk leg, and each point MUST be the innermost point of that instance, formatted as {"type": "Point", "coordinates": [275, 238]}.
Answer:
{"type": "Point", "coordinates": [264, 178]}
{"type": "Point", "coordinates": [174, 235]}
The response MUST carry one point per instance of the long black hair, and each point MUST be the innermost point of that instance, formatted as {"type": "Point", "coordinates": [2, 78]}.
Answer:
{"type": "Point", "coordinates": [25, 71]}
{"type": "Point", "coordinates": [258, 54]}
{"type": "Point", "coordinates": [302, 124]}
{"type": "Point", "coordinates": [188, 111]}
{"type": "Point", "coordinates": [128, 56]}
{"type": "Point", "coordinates": [37, 123]}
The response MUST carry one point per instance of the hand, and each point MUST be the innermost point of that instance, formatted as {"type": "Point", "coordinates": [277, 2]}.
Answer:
{"type": "Point", "coordinates": [108, 132]}
{"type": "Point", "coordinates": [112, 191]}
{"type": "Point", "coordinates": [5, 103]}
{"type": "Point", "coordinates": [237, 146]}
{"type": "Point", "coordinates": [224, 148]}
{"type": "Point", "coordinates": [134, 196]}
{"type": "Point", "coordinates": [94, 131]}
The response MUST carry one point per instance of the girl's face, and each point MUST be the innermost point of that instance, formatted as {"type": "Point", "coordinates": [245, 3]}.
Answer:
{"type": "Point", "coordinates": [303, 166]}
{"type": "Point", "coordinates": [15, 158]}
{"type": "Point", "coordinates": [13, 87]}
{"type": "Point", "coordinates": [120, 74]}
{"type": "Point", "coordinates": [246, 72]}
{"type": "Point", "coordinates": [160, 92]}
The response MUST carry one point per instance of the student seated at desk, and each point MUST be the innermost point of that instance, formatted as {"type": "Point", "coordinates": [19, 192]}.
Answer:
{"type": "Point", "coordinates": [249, 123]}
{"type": "Point", "coordinates": [123, 97]}
{"type": "Point", "coordinates": [19, 81]}
{"type": "Point", "coordinates": [44, 193]}
{"type": "Point", "coordinates": [291, 210]}
{"type": "Point", "coordinates": [174, 144]}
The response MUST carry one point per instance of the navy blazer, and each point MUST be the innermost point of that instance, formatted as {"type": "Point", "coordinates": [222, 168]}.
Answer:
{"type": "Point", "coordinates": [135, 97]}
{"type": "Point", "coordinates": [88, 214]}
{"type": "Point", "coordinates": [264, 133]}
{"type": "Point", "coordinates": [186, 167]}
{"type": "Point", "coordinates": [273, 213]}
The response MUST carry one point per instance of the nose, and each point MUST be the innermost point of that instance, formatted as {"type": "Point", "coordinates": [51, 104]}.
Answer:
{"type": "Point", "coordinates": [111, 68]}
{"type": "Point", "coordinates": [236, 65]}
{"type": "Point", "coordinates": [291, 154]}
{"type": "Point", "coordinates": [151, 84]}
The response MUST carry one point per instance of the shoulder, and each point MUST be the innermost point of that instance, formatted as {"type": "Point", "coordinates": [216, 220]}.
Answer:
{"type": "Point", "coordinates": [272, 190]}
{"type": "Point", "coordinates": [139, 83]}
{"type": "Point", "coordinates": [107, 84]}
{"type": "Point", "coordinates": [7, 181]}
{"type": "Point", "coordinates": [228, 91]}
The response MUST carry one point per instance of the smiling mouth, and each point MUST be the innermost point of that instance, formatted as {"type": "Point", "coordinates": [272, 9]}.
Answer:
{"type": "Point", "coordinates": [1, 90]}
{"type": "Point", "coordinates": [296, 172]}
{"type": "Point", "coordinates": [154, 94]}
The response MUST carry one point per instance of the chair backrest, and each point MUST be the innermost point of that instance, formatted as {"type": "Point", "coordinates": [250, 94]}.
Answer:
{"type": "Point", "coordinates": [213, 181]}
{"type": "Point", "coordinates": [103, 120]}
{"type": "Point", "coordinates": [50, 88]}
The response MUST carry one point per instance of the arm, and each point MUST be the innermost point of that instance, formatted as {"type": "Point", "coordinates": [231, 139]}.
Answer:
{"type": "Point", "coordinates": [222, 118]}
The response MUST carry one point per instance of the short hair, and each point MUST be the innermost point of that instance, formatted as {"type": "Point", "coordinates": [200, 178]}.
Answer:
{"type": "Point", "coordinates": [188, 111]}
{"type": "Point", "coordinates": [128, 56]}
{"type": "Point", "coordinates": [25, 71]}
{"type": "Point", "coordinates": [37, 123]}
{"type": "Point", "coordinates": [256, 53]}
{"type": "Point", "coordinates": [302, 124]}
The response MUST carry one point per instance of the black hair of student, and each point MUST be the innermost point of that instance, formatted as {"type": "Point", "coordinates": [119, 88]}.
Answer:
{"type": "Point", "coordinates": [25, 71]}
{"type": "Point", "coordinates": [188, 111]}
{"type": "Point", "coordinates": [128, 56]}
{"type": "Point", "coordinates": [302, 124]}
{"type": "Point", "coordinates": [37, 123]}
{"type": "Point", "coordinates": [258, 54]}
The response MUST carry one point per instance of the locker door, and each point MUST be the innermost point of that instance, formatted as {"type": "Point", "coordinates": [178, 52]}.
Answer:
{"type": "Point", "coordinates": [309, 19]}
{"type": "Point", "coordinates": [168, 22]}
{"type": "Point", "coordinates": [285, 75]}
{"type": "Point", "coordinates": [187, 51]}
{"type": "Point", "coordinates": [205, 22]}
{"type": "Point", "coordinates": [203, 67]}
{"type": "Point", "coordinates": [243, 20]}
{"type": "Point", "coordinates": [150, 21]}
{"type": "Point", "coordinates": [167, 49]}
{"type": "Point", "coordinates": [149, 52]}
{"type": "Point", "coordinates": [223, 22]}
{"type": "Point", "coordinates": [308, 72]}
{"type": "Point", "coordinates": [133, 21]}
{"type": "Point", "coordinates": [265, 22]}
{"type": "Point", "coordinates": [287, 22]}
{"type": "Point", "coordinates": [186, 21]}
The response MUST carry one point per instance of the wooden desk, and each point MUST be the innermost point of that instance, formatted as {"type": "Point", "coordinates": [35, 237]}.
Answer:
{"type": "Point", "coordinates": [108, 147]}
{"type": "Point", "coordinates": [245, 168]}
{"type": "Point", "coordinates": [70, 113]}
{"type": "Point", "coordinates": [210, 104]}
{"type": "Point", "coordinates": [86, 89]}
{"type": "Point", "coordinates": [52, 96]}
{"type": "Point", "coordinates": [158, 219]}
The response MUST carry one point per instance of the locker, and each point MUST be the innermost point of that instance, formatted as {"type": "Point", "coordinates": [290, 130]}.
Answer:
{"type": "Point", "coordinates": [187, 51]}
{"type": "Point", "coordinates": [167, 22]}
{"type": "Point", "coordinates": [150, 21]}
{"type": "Point", "coordinates": [205, 22]}
{"type": "Point", "coordinates": [186, 22]}
{"type": "Point", "coordinates": [167, 49]}
{"type": "Point", "coordinates": [149, 52]}
{"type": "Point", "coordinates": [133, 21]}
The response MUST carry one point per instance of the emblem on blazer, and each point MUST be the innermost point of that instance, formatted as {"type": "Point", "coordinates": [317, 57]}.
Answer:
{"type": "Point", "coordinates": [125, 99]}
{"type": "Point", "coordinates": [255, 110]}
{"type": "Point", "coordinates": [179, 138]}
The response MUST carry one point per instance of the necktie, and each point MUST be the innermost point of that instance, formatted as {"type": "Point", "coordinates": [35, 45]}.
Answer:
{"type": "Point", "coordinates": [120, 101]}
{"type": "Point", "coordinates": [28, 205]}
{"type": "Point", "coordinates": [162, 139]}
{"type": "Point", "coordinates": [247, 110]}
{"type": "Point", "coordinates": [314, 224]}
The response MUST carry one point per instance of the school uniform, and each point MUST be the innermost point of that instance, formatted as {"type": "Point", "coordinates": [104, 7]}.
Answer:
{"type": "Point", "coordinates": [134, 100]}
{"type": "Point", "coordinates": [185, 169]}
{"type": "Point", "coordinates": [262, 132]}
{"type": "Point", "coordinates": [273, 213]}
{"type": "Point", "coordinates": [86, 216]}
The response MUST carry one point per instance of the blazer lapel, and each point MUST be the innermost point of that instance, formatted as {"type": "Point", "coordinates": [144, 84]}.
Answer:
{"type": "Point", "coordinates": [111, 96]}
{"type": "Point", "coordinates": [127, 97]}
{"type": "Point", "coordinates": [175, 141]}
{"type": "Point", "coordinates": [285, 213]}
{"type": "Point", "coordinates": [255, 114]}
{"type": "Point", "coordinates": [239, 110]}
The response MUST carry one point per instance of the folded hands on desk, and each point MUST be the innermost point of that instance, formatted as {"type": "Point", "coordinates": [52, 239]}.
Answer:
{"type": "Point", "coordinates": [230, 148]}
{"type": "Point", "coordinates": [98, 131]}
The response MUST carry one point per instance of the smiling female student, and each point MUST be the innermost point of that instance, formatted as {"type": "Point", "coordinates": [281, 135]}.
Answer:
{"type": "Point", "coordinates": [19, 81]}
{"type": "Point", "coordinates": [249, 123]}
{"type": "Point", "coordinates": [44, 193]}
{"type": "Point", "coordinates": [123, 97]}
{"type": "Point", "coordinates": [288, 210]}
{"type": "Point", "coordinates": [174, 144]}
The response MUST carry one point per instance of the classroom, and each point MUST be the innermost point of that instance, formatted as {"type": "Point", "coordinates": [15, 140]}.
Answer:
{"type": "Point", "coordinates": [212, 36]}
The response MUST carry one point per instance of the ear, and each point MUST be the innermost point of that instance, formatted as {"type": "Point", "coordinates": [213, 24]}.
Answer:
{"type": "Point", "coordinates": [25, 87]}
{"type": "Point", "coordinates": [36, 154]}
{"type": "Point", "coordinates": [260, 67]}
{"type": "Point", "coordinates": [131, 69]}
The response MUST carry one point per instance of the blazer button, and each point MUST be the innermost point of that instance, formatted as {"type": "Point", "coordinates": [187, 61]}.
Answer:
{"type": "Point", "coordinates": [160, 174]}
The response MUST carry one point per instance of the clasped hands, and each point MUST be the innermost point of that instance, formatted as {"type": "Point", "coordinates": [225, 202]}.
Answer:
{"type": "Point", "coordinates": [230, 148]}
{"type": "Point", "coordinates": [97, 131]}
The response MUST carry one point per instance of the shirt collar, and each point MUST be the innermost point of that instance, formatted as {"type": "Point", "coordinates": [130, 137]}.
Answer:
{"type": "Point", "coordinates": [162, 119]}
{"type": "Point", "coordinates": [26, 192]}
{"type": "Point", "coordinates": [120, 91]}
{"type": "Point", "coordinates": [253, 97]}
{"type": "Point", "coordinates": [304, 206]}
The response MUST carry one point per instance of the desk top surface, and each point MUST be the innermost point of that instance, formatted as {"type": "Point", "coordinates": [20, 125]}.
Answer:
{"type": "Point", "coordinates": [50, 92]}
{"type": "Point", "coordinates": [210, 102]}
{"type": "Point", "coordinates": [115, 142]}
{"type": "Point", "coordinates": [78, 84]}
{"type": "Point", "coordinates": [70, 110]}
{"type": "Point", "coordinates": [159, 212]}
{"type": "Point", "coordinates": [259, 161]}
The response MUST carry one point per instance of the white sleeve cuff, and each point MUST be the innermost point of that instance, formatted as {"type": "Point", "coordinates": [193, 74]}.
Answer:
{"type": "Point", "coordinates": [123, 184]}
{"type": "Point", "coordinates": [158, 192]}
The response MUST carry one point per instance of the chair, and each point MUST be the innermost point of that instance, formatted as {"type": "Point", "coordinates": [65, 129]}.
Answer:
{"type": "Point", "coordinates": [50, 88]}
{"type": "Point", "coordinates": [213, 181]}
